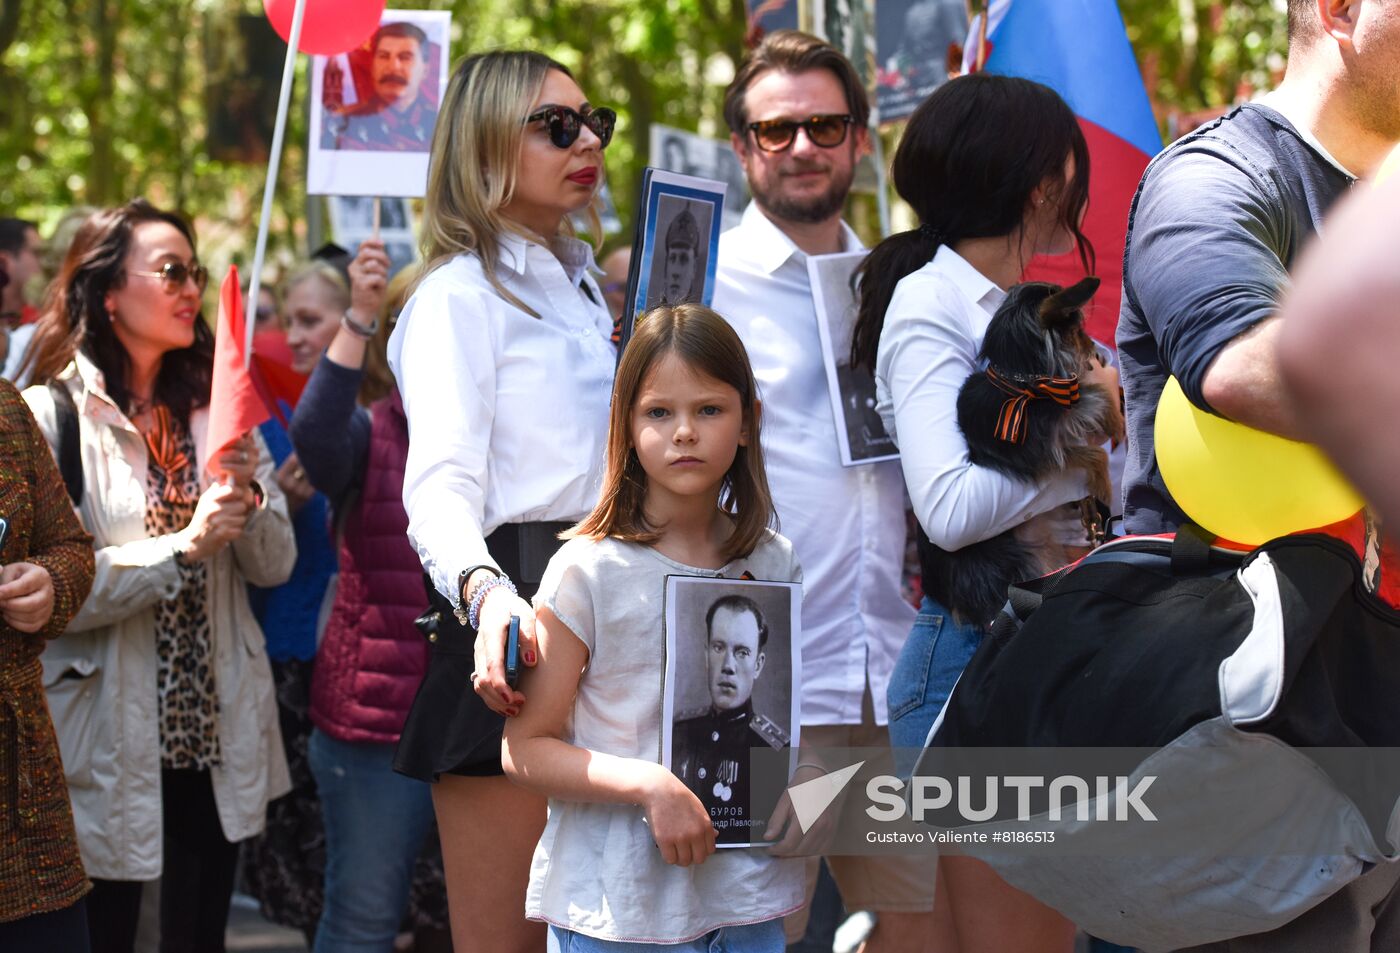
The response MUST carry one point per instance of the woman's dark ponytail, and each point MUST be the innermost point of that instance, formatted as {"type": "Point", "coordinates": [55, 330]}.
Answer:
{"type": "Point", "coordinates": [971, 156]}
{"type": "Point", "coordinates": [874, 281]}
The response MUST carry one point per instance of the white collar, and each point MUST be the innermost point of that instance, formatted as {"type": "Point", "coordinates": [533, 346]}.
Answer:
{"type": "Point", "coordinates": [968, 279]}
{"type": "Point", "coordinates": [93, 400]}
{"type": "Point", "coordinates": [573, 254]}
{"type": "Point", "coordinates": [769, 246]}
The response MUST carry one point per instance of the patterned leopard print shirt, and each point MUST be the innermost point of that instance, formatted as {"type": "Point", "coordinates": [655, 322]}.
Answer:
{"type": "Point", "coordinates": [189, 705]}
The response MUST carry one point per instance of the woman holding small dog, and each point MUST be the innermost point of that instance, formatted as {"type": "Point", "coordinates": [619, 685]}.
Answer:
{"type": "Point", "coordinates": [998, 172]}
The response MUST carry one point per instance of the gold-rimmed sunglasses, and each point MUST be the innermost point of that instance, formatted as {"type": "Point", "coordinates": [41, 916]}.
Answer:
{"type": "Point", "coordinates": [174, 274]}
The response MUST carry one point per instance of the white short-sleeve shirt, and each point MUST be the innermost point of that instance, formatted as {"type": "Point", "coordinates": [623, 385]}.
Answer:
{"type": "Point", "coordinates": [596, 869]}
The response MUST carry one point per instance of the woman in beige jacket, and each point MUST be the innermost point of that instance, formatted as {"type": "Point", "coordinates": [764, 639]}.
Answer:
{"type": "Point", "coordinates": [161, 692]}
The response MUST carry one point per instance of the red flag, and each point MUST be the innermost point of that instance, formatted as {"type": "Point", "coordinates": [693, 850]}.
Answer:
{"type": "Point", "coordinates": [272, 360]}
{"type": "Point", "coordinates": [236, 400]}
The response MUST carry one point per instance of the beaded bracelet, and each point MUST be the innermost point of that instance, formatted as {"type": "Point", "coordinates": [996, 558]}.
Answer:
{"type": "Point", "coordinates": [362, 331]}
{"type": "Point", "coordinates": [479, 596]}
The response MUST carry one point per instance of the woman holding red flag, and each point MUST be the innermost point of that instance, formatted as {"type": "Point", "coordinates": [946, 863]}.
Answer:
{"type": "Point", "coordinates": [160, 692]}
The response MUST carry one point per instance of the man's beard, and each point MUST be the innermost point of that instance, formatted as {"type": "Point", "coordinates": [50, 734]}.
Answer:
{"type": "Point", "coordinates": [808, 210]}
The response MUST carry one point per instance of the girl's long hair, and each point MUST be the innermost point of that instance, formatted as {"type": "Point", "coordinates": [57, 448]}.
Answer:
{"type": "Point", "coordinates": [971, 157]}
{"type": "Point", "coordinates": [475, 160]}
{"type": "Point", "coordinates": [75, 316]}
{"type": "Point", "coordinates": [708, 345]}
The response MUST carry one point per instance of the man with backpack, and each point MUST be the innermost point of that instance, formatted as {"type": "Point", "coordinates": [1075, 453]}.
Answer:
{"type": "Point", "coordinates": [1214, 230]}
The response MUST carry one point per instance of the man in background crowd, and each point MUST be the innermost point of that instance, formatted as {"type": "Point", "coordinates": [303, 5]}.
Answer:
{"type": "Point", "coordinates": [20, 248]}
{"type": "Point", "coordinates": [798, 115]}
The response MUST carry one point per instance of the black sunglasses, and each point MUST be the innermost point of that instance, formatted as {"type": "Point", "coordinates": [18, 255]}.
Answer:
{"type": "Point", "coordinates": [565, 124]}
{"type": "Point", "coordinates": [174, 274]}
{"type": "Point", "coordinates": [775, 135]}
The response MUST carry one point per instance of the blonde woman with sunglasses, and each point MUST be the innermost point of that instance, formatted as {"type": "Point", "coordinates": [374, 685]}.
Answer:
{"type": "Point", "coordinates": [504, 361]}
{"type": "Point", "coordinates": [160, 691]}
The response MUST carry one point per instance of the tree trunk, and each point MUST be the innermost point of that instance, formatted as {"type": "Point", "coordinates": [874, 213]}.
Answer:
{"type": "Point", "coordinates": [102, 173]}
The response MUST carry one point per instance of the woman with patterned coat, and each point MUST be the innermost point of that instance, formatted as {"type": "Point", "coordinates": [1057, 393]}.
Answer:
{"type": "Point", "coordinates": [45, 574]}
{"type": "Point", "coordinates": [161, 692]}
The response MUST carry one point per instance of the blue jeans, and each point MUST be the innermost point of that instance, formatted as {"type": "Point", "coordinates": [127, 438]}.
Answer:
{"type": "Point", "coordinates": [376, 822]}
{"type": "Point", "coordinates": [765, 937]}
{"type": "Point", "coordinates": [934, 655]}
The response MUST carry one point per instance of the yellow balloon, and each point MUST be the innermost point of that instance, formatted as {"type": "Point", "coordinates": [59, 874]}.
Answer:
{"type": "Point", "coordinates": [1389, 167]}
{"type": "Point", "coordinates": [1242, 483]}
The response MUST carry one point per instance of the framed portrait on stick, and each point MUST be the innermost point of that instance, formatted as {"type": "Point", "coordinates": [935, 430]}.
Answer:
{"type": "Point", "coordinates": [374, 109]}
{"type": "Point", "coordinates": [675, 246]}
{"type": "Point", "coordinates": [732, 696]}
{"type": "Point", "coordinates": [860, 434]}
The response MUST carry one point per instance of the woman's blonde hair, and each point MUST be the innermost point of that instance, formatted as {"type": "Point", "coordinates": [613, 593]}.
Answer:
{"type": "Point", "coordinates": [329, 276]}
{"type": "Point", "coordinates": [475, 160]}
{"type": "Point", "coordinates": [709, 345]}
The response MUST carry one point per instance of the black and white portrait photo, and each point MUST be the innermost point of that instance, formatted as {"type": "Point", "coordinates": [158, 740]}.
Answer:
{"type": "Point", "coordinates": [352, 221]}
{"type": "Point", "coordinates": [355, 213]}
{"type": "Point", "coordinates": [731, 690]}
{"type": "Point", "coordinates": [860, 433]}
{"type": "Point", "coordinates": [680, 257]}
{"type": "Point", "coordinates": [912, 41]}
{"type": "Point", "coordinates": [675, 246]}
{"type": "Point", "coordinates": [677, 150]}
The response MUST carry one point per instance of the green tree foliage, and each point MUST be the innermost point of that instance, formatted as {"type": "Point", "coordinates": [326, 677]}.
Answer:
{"type": "Point", "coordinates": [101, 100]}
{"type": "Point", "coordinates": [1197, 54]}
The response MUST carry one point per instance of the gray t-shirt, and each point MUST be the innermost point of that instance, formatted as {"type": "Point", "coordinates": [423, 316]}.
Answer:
{"type": "Point", "coordinates": [1216, 223]}
{"type": "Point", "coordinates": [596, 869]}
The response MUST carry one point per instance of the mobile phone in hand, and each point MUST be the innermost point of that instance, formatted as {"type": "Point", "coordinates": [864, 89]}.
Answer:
{"type": "Point", "coordinates": [4, 533]}
{"type": "Point", "coordinates": [513, 652]}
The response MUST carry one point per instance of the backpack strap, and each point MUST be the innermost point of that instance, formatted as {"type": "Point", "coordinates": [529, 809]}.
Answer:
{"type": "Point", "coordinates": [68, 452]}
{"type": "Point", "coordinates": [1191, 550]}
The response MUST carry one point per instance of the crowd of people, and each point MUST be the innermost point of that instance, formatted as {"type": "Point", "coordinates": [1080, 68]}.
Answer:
{"type": "Point", "coordinates": [241, 663]}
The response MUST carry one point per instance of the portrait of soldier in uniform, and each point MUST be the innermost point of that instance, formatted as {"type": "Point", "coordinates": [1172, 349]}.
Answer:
{"type": "Point", "coordinates": [710, 744]}
{"type": "Point", "coordinates": [398, 116]}
{"type": "Point", "coordinates": [680, 260]}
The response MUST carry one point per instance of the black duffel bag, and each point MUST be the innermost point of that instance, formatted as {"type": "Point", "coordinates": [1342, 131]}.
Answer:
{"type": "Point", "coordinates": [1259, 692]}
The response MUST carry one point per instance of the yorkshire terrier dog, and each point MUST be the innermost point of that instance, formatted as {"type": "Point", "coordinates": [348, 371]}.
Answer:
{"type": "Point", "coordinates": [1029, 415]}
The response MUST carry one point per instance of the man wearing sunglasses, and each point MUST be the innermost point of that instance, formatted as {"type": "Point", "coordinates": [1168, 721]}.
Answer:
{"type": "Point", "coordinates": [799, 115]}
{"type": "Point", "coordinates": [397, 118]}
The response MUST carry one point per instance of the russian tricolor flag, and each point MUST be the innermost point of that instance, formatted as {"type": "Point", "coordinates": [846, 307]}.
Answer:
{"type": "Point", "coordinates": [1079, 49]}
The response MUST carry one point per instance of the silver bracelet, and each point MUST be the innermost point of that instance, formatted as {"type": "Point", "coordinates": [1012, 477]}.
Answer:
{"type": "Point", "coordinates": [479, 596]}
{"type": "Point", "coordinates": [359, 330]}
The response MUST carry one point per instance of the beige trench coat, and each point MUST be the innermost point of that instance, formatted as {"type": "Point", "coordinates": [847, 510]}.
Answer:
{"type": "Point", "coordinates": [100, 678]}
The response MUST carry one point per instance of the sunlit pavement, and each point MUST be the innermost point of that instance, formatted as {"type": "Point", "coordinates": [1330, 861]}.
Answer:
{"type": "Point", "coordinates": [247, 930]}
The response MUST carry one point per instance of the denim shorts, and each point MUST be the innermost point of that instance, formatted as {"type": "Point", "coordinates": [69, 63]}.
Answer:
{"type": "Point", "coordinates": [765, 937]}
{"type": "Point", "coordinates": [934, 656]}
